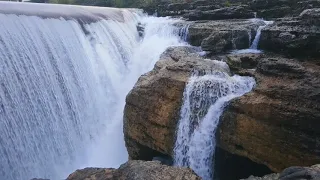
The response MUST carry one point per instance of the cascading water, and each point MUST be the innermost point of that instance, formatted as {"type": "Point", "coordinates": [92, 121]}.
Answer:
{"type": "Point", "coordinates": [204, 99]}
{"type": "Point", "coordinates": [63, 84]}
{"type": "Point", "coordinates": [256, 40]}
{"type": "Point", "coordinates": [254, 46]}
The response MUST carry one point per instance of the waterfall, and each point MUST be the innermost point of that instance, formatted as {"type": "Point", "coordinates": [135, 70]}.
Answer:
{"type": "Point", "coordinates": [256, 40]}
{"type": "Point", "coordinates": [63, 83]}
{"type": "Point", "coordinates": [204, 99]}
{"type": "Point", "coordinates": [254, 46]}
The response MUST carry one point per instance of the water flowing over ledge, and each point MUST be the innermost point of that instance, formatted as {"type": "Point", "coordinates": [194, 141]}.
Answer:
{"type": "Point", "coordinates": [84, 14]}
{"type": "Point", "coordinates": [63, 85]}
{"type": "Point", "coordinates": [204, 99]}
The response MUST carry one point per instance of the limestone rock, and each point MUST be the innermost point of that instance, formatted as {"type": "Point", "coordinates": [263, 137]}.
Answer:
{"type": "Point", "coordinates": [235, 12]}
{"type": "Point", "coordinates": [135, 170]}
{"type": "Point", "coordinates": [293, 173]}
{"type": "Point", "coordinates": [153, 170]}
{"type": "Point", "coordinates": [92, 174]}
{"type": "Point", "coordinates": [275, 12]}
{"type": "Point", "coordinates": [178, 6]}
{"type": "Point", "coordinates": [277, 124]}
{"type": "Point", "coordinates": [153, 106]}
{"type": "Point", "coordinates": [223, 35]}
{"type": "Point", "coordinates": [237, 62]}
{"type": "Point", "coordinates": [223, 41]}
{"type": "Point", "coordinates": [294, 36]}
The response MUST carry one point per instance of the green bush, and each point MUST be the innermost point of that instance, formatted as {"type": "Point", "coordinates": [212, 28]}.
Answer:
{"type": "Point", "coordinates": [227, 4]}
{"type": "Point", "coordinates": [61, 1]}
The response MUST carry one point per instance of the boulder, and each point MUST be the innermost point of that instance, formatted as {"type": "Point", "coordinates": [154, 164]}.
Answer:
{"type": "Point", "coordinates": [93, 174]}
{"type": "Point", "coordinates": [222, 41]}
{"type": "Point", "coordinates": [265, 4]}
{"type": "Point", "coordinates": [234, 12]}
{"type": "Point", "coordinates": [275, 12]}
{"type": "Point", "coordinates": [178, 6]}
{"type": "Point", "coordinates": [206, 8]}
{"type": "Point", "coordinates": [294, 37]}
{"type": "Point", "coordinates": [153, 106]}
{"type": "Point", "coordinates": [293, 173]}
{"type": "Point", "coordinates": [135, 170]}
{"type": "Point", "coordinates": [277, 124]}
{"type": "Point", "coordinates": [201, 3]}
{"type": "Point", "coordinates": [311, 17]}
{"type": "Point", "coordinates": [237, 62]}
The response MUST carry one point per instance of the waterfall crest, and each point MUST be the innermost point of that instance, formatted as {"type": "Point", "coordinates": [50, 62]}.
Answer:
{"type": "Point", "coordinates": [63, 84]}
{"type": "Point", "coordinates": [204, 99]}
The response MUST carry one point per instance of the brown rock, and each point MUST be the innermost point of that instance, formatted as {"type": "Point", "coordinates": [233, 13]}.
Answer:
{"type": "Point", "coordinates": [223, 35]}
{"type": "Point", "coordinates": [293, 173]}
{"type": "Point", "coordinates": [153, 105]}
{"type": "Point", "coordinates": [135, 170]}
{"type": "Point", "coordinates": [278, 123]}
{"type": "Point", "coordinates": [153, 170]}
{"type": "Point", "coordinates": [92, 174]}
{"type": "Point", "coordinates": [294, 37]}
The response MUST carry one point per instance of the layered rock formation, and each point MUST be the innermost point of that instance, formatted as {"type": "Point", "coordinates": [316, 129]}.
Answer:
{"type": "Point", "coordinates": [135, 170]}
{"type": "Point", "coordinates": [223, 35]}
{"type": "Point", "coordinates": [152, 106]}
{"type": "Point", "coordinates": [299, 36]}
{"type": "Point", "coordinates": [230, 9]}
{"type": "Point", "coordinates": [278, 123]}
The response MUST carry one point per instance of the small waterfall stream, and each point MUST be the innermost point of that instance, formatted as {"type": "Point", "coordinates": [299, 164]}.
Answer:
{"type": "Point", "coordinates": [253, 48]}
{"type": "Point", "coordinates": [256, 40]}
{"type": "Point", "coordinates": [204, 99]}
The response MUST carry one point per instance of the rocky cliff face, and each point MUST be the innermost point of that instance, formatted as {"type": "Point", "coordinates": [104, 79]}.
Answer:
{"type": "Point", "coordinates": [152, 106]}
{"type": "Point", "coordinates": [135, 170]}
{"type": "Point", "coordinates": [297, 36]}
{"type": "Point", "coordinates": [223, 35]}
{"type": "Point", "coordinates": [277, 124]}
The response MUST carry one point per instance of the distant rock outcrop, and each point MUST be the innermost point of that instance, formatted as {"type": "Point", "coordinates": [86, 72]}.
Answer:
{"type": "Point", "coordinates": [299, 36]}
{"type": "Point", "coordinates": [223, 35]}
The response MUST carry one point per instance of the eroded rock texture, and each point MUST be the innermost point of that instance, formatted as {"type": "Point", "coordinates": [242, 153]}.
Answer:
{"type": "Point", "coordinates": [278, 123]}
{"type": "Point", "coordinates": [153, 106]}
{"type": "Point", "coordinates": [135, 170]}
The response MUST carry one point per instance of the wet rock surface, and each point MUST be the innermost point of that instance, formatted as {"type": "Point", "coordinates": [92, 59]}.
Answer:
{"type": "Point", "coordinates": [153, 106]}
{"type": "Point", "coordinates": [277, 124]}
